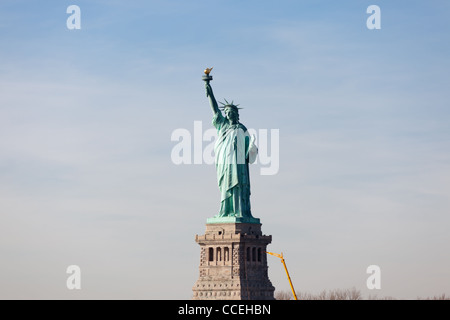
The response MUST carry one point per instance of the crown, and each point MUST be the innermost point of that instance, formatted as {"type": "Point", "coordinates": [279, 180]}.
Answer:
{"type": "Point", "coordinates": [229, 105]}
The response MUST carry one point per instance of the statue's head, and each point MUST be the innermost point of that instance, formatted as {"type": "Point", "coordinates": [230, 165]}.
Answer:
{"type": "Point", "coordinates": [231, 110]}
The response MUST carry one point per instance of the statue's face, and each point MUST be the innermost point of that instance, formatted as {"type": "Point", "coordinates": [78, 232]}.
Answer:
{"type": "Point", "coordinates": [231, 114]}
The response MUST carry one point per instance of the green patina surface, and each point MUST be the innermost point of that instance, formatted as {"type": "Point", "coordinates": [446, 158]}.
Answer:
{"type": "Point", "coordinates": [234, 150]}
{"type": "Point", "coordinates": [217, 219]}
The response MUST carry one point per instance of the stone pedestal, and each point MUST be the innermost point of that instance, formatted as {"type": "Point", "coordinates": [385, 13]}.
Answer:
{"type": "Point", "coordinates": [233, 263]}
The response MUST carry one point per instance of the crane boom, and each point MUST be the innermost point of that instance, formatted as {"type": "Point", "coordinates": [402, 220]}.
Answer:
{"type": "Point", "coordinates": [285, 268]}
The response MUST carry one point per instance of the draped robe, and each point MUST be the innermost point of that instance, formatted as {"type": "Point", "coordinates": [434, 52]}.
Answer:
{"type": "Point", "coordinates": [234, 150]}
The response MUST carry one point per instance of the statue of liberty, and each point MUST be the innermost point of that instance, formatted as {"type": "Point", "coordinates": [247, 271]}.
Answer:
{"type": "Point", "coordinates": [234, 149]}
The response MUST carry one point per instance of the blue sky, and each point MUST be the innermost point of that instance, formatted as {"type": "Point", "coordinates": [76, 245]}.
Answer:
{"type": "Point", "coordinates": [86, 118]}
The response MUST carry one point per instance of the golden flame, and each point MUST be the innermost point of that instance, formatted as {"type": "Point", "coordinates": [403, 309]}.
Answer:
{"type": "Point", "coordinates": [208, 70]}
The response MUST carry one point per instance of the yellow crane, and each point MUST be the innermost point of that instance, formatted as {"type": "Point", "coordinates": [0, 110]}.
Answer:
{"type": "Point", "coordinates": [285, 268]}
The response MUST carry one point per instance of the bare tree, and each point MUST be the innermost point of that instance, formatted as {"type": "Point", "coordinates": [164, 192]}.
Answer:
{"type": "Point", "coordinates": [439, 297]}
{"type": "Point", "coordinates": [334, 294]}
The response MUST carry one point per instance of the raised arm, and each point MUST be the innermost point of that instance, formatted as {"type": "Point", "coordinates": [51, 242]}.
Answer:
{"type": "Point", "coordinates": [212, 100]}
